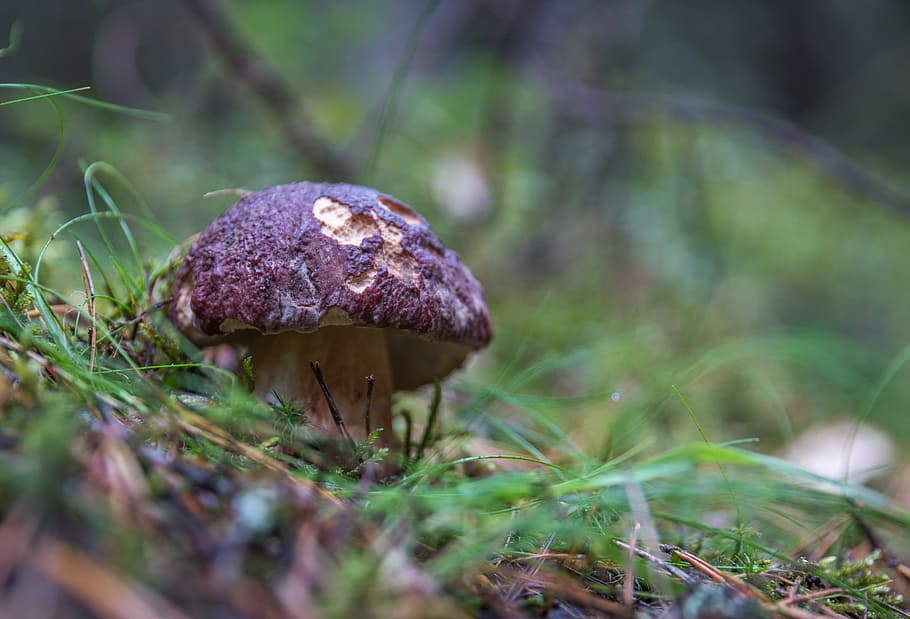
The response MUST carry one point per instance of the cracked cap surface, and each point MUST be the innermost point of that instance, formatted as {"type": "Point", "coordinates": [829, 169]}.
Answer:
{"type": "Point", "coordinates": [303, 256]}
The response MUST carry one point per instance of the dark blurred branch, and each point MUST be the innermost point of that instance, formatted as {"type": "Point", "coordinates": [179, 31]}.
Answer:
{"type": "Point", "coordinates": [621, 108]}
{"type": "Point", "coordinates": [270, 88]}
{"type": "Point", "coordinates": [390, 105]}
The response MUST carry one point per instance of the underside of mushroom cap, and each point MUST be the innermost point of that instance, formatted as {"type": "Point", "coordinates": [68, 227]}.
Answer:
{"type": "Point", "coordinates": [307, 255]}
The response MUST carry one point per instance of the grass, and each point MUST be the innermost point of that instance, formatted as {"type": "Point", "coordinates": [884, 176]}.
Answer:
{"type": "Point", "coordinates": [136, 480]}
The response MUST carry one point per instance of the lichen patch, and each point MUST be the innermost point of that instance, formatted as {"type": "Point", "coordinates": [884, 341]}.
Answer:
{"type": "Point", "coordinates": [339, 223]}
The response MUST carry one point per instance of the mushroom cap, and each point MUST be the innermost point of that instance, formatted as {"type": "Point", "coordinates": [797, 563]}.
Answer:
{"type": "Point", "coordinates": [307, 255]}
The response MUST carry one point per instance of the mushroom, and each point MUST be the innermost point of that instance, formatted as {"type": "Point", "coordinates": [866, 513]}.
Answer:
{"type": "Point", "coordinates": [337, 274]}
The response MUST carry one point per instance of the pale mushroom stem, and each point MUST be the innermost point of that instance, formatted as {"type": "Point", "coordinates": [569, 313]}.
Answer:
{"type": "Point", "coordinates": [347, 356]}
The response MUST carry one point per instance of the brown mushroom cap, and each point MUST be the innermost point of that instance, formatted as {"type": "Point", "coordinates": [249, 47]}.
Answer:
{"type": "Point", "coordinates": [303, 256]}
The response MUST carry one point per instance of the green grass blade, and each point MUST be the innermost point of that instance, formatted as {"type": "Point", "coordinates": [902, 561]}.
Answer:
{"type": "Point", "coordinates": [111, 107]}
{"type": "Point", "coordinates": [15, 39]}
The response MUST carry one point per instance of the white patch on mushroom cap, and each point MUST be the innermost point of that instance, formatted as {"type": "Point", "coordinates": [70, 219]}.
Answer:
{"type": "Point", "coordinates": [182, 310]}
{"type": "Point", "coordinates": [339, 223]}
{"type": "Point", "coordinates": [359, 283]}
{"type": "Point", "coordinates": [410, 217]}
{"type": "Point", "coordinates": [394, 257]}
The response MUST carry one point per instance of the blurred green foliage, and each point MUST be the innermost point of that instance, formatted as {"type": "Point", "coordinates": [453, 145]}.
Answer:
{"type": "Point", "coordinates": [625, 247]}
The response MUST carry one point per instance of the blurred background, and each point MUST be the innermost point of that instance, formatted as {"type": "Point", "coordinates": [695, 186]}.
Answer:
{"type": "Point", "coordinates": [707, 195]}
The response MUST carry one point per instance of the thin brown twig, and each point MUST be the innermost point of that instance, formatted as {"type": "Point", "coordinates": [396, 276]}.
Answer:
{"type": "Point", "coordinates": [822, 539]}
{"type": "Point", "coordinates": [408, 432]}
{"type": "Point", "coordinates": [269, 87]}
{"type": "Point", "coordinates": [61, 309]}
{"type": "Point", "coordinates": [627, 108]}
{"type": "Point", "coordinates": [371, 379]}
{"type": "Point", "coordinates": [199, 426]}
{"type": "Point", "coordinates": [90, 299]}
{"type": "Point", "coordinates": [628, 586]}
{"type": "Point", "coordinates": [667, 567]}
{"type": "Point", "coordinates": [573, 591]}
{"type": "Point", "coordinates": [741, 587]}
{"type": "Point", "coordinates": [48, 367]}
{"type": "Point", "coordinates": [333, 408]}
{"type": "Point", "coordinates": [532, 571]}
{"type": "Point", "coordinates": [713, 573]}
{"type": "Point", "coordinates": [890, 559]}
{"type": "Point", "coordinates": [812, 596]}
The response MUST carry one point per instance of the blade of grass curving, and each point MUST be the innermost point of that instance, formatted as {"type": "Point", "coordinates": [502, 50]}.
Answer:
{"type": "Point", "coordinates": [887, 377]}
{"type": "Point", "coordinates": [527, 408]}
{"type": "Point", "coordinates": [52, 164]}
{"type": "Point", "coordinates": [104, 105]}
{"type": "Point", "coordinates": [36, 290]}
{"type": "Point", "coordinates": [723, 473]}
{"type": "Point", "coordinates": [818, 351]}
{"type": "Point", "coordinates": [76, 220]}
{"type": "Point", "coordinates": [124, 183]}
{"type": "Point", "coordinates": [15, 38]}
{"type": "Point", "coordinates": [162, 366]}
{"type": "Point", "coordinates": [699, 453]}
{"type": "Point", "coordinates": [99, 325]}
{"type": "Point", "coordinates": [10, 258]}
{"type": "Point", "coordinates": [41, 304]}
{"type": "Point", "coordinates": [90, 298]}
{"type": "Point", "coordinates": [92, 183]}
{"type": "Point", "coordinates": [46, 95]}
{"type": "Point", "coordinates": [390, 104]}
{"type": "Point", "coordinates": [123, 307]}
{"type": "Point", "coordinates": [538, 319]}
{"type": "Point", "coordinates": [517, 438]}
{"type": "Point", "coordinates": [785, 559]}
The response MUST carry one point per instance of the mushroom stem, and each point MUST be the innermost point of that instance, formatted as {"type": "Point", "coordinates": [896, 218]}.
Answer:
{"type": "Point", "coordinates": [347, 355]}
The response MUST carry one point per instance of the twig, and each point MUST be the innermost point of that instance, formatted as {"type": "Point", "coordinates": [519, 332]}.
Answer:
{"type": "Point", "coordinates": [739, 586]}
{"type": "Point", "coordinates": [90, 295]}
{"type": "Point", "coordinates": [515, 589]}
{"type": "Point", "coordinates": [197, 425]}
{"type": "Point", "coordinates": [60, 309]}
{"type": "Point", "coordinates": [431, 420]}
{"type": "Point", "coordinates": [333, 408]}
{"type": "Point", "coordinates": [667, 567]}
{"type": "Point", "coordinates": [713, 573]}
{"type": "Point", "coordinates": [822, 539]}
{"type": "Point", "coordinates": [811, 596]}
{"type": "Point", "coordinates": [628, 588]}
{"type": "Point", "coordinates": [408, 432]}
{"type": "Point", "coordinates": [561, 587]}
{"type": "Point", "coordinates": [630, 107]}
{"type": "Point", "coordinates": [268, 86]}
{"type": "Point", "coordinates": [371, 379]}
{"type": "Point", "coordinates": [890, 559]}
